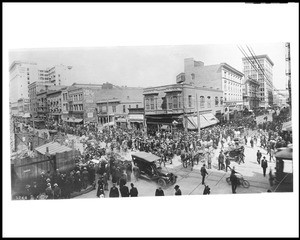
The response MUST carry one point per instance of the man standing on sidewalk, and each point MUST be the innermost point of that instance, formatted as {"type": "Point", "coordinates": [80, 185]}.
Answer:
{"type": "Point", "coordinates": [258, 154]}
{"type": "Point", "coordinates": [203, 173]}
{"type": "Point", "coordinates": [221, 160]}
{"type": "Point", "coordinates": [264, 165]}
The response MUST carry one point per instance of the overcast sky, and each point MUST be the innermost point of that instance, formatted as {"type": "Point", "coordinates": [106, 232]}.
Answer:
{"type": "Point", "coordinates": [146, 66]}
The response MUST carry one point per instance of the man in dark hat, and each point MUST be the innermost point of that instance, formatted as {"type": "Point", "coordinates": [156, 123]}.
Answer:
{"type": "Point", "coordinates": [264, 165]}
{"type": "Point", "coordinates": [258, 155]}
{"type": "Point", "coordinates": [133, 191]}
{"type": "Point", "coordinates": [159, 192]}
{"type": "Point", "coordinates": [177, 190]}
{"type": "Point", "coordinates": [124, 190]}
{"type": "Point", "coordinates": [114, 191]}
{"type": "Point", "coordinates": [203, 173]}
{"type": "Point", "coordinates": [221, 160]}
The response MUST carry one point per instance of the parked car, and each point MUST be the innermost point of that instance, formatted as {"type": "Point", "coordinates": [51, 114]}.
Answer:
{"type": "Point", "coordinates": [150, 169]}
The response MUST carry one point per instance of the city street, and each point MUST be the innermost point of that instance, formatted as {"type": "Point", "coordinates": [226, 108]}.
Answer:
{"type": "Point", "coordinates": [189, 179]}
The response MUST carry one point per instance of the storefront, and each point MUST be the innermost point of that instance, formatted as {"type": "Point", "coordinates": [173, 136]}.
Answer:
{"type": "Point", "coordinates": [136, 121]}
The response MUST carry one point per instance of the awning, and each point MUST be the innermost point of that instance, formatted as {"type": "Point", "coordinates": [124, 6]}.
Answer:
{"type": "Point", "coordinates": [211, 118]}
{"type": "Point", "coordinates": [136, 120]}
{"type": "Point", "coordinates": [53, 147]}
{"type": "Point", "coordinates": [286, 153]}
{"type": "Point", "coordinates": [76, 120]}
{"type": "Point", "coordinates": [287, 126]}
{"type": "Point", "coordinates": [121, 120]}
{"type": "Point", "coordinates": [206, 120]}
{"type": "Point", "coordinates": [192, 122]}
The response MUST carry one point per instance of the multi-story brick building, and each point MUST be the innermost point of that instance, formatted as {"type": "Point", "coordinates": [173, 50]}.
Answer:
{"type": "Point", "coordinates": [250, 94]}
{"type": "Point", "coordinates": [23, 107]}
{"type": "Point", "coordinates": [82, 103]}
{"type": "Point", "coordinates": [33, 89]}
{"type": "Point", "coordinates": [164, 104]}
{"type": "Point", "coordinates": [42, 107]}
{"type": "Point", "coordinates": [264, 77]}
{"type": "Point", "coordinates": [54, 104]}
{"type": "Point", "coordinates": [115, 102]}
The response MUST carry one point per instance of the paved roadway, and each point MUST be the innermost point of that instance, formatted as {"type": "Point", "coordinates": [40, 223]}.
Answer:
{"type": "Point", "coordinates": [189, 179]}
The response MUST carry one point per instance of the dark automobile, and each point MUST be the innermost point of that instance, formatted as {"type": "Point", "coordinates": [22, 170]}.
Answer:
{"type": "Point", "coordinates": [150, 169]}
{"type": "Point", "coordinates": [235, 154]}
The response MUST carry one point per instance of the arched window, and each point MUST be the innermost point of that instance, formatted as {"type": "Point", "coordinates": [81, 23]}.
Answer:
{"type": "Point", "coordinates": [216, 101]}
{"type": "Point", "coordinates": [202, 101]}
{"type": "Point", "coordinates": [208, 102]}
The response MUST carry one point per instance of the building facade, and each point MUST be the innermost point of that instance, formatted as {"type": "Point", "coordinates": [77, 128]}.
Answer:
{"type": "Point", "coordinates": [58, 74]}
{"type": "Point", "coordinates": [164, 104]}
{"type": "Point", "coordinates": [252, 67]}
{"type": "Point", "coordinates": [115, 102]}
{"type": "Point", "coordinates": [116, 110]}
{"type": "Point", "coordinates": [250, 94]}
{"type": "Point", "coordinates": [220, 76]}
{"type": "Point", "coordinates": [23, 106]}
{"type": "Point", "coordinates": [33, 89]}
{"type": "Point", "coordinates": [21, 74]}
{"type": "Point", "coordinates": [54, 105]}
{"type": "Point", "coordinates": [42, 106]}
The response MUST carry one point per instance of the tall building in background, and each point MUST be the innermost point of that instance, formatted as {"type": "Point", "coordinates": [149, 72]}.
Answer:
{"type": "Point", "coordinates": [58, 74]}
{"type": "Point", "coordinates": [260, 68]}
{"type": "Point", "coordinates": [22, 74]}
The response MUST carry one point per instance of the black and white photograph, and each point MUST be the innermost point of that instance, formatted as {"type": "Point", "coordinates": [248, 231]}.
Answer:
{"type": "Point", "coordinates": [89, 124]}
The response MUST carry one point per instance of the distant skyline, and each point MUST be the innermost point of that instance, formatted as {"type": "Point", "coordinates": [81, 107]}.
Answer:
{"type": "Point", "coordinates": [146, 66]}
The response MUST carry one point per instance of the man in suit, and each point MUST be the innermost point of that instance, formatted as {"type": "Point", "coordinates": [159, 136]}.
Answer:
{"type": "Point", "coordinates": [114, 191]}
{"type": "Point", "coordinates": [133, 191]}
{"type": "Point", "coordinates": [159, 192]}
{"type": "Point", "coordinates": [203, 173]}
{"type": "Point", "coordinates": [264, 165]}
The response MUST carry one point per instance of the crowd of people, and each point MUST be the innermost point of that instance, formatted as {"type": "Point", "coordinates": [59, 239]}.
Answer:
{"type": "Point", "coordinates": [105, 144]}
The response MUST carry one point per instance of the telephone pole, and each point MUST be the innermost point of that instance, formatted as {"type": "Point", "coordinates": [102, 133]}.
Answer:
{"type": "Point", "coordinates": [288, 71]}
{"type": "Point", "coordinates": [198, 115]}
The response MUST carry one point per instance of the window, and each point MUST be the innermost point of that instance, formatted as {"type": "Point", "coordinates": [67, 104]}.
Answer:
{"type": "Point", "coordinates": [124, 109]}
{"type": "Point", "coordinates": [193, 76]}
{"type": "Point", "coordinates": [129, 106]}
{"type": "Point", "coordinates": [221, 101]}
{"type": "Point", "coordinates": [179, 101]}
{"type": "Point", "coordinates": [208, 102]}
{"type": "Point", "coordinates": [114, 109]}
{"type": "Point", "coordinates": [147, 104]}
{"type": "Point", "coordinates": [216, 101]}
{"type": "Point", "coordinates": [202, 101]}
{"type": "Point", "coordinates": [152, 103]}
{"type": "Point", "coordinates": [137, 106]}
{"type": "Point", "coordinates": [170, 103]}
{"type": "Point", "coordinates": [175, 102]}
{"type": "Point", "coordinates": [190, 100]}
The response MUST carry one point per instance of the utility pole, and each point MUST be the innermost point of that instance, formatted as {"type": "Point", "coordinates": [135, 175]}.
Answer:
{"type": "Point", "coordinates": [198, 116]}
{"type": "Point", "coordinates": [288, 71]}
{"type": "Point", "coordinates": [107, 110]}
